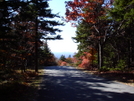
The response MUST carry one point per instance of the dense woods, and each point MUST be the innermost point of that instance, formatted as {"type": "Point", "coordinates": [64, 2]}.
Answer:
{"type": "Point", "coordinates": [104, 35]}
{"type": "Point", "coordinates": [104, 32]}
{"type": "Point", "coordinates": [23, 23]}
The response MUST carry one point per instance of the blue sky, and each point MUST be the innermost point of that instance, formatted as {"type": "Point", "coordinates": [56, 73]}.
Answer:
{"type": "Point", "coordinates": [66, 45]}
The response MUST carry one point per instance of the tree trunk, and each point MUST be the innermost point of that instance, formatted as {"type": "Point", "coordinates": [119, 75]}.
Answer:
{"type": "Point", "coordinates": [130, 53]}
{"type": "Point", "coordinates": [100, 55]}
{"type": "Point", "coordinates": [36, 49]}
{"type": "Point", "coordinates": [36, 40]}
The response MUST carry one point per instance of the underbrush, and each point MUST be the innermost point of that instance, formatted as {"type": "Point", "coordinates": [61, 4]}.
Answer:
{"type": "Point", "coordinates": [17, 92]}
{"type": "Point", "coordinates": [15, 86]}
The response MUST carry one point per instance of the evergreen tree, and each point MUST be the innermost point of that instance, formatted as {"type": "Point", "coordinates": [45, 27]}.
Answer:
{"type": "Point", "coordinates": [46, 57]}
{"type": "Point", "coordinates": [122, 14]}
{"type": "Point", "coordinates": [27, 21]}
{"type": "Point", "coordinates": [63, 58]}
{"type": "Point", "coordinates": [6, 39]}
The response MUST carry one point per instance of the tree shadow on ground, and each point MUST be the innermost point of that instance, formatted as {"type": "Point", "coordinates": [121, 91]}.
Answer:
{"type": "Point", "coordinates": [126, 77]}
{"type": "Point", "coordinates": [70, 84]}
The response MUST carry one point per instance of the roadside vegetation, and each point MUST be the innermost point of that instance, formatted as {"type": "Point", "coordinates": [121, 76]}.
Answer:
{"type": "Point", "coordinates": [104, 32]}
{"type": "Point", "coordinates": [24, 29]}
{"type": "Point", "coordinates": [105, 36]}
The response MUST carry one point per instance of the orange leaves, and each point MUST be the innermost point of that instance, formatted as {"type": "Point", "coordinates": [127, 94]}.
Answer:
{"type": "Point", "coordinates": [87, 58]}
{"type": "Point", "coordinates": [87, 10]}
{"type": "Point", "coordinates": [63, 63]}
{"type": "Point", "coordinates": [85, 63]}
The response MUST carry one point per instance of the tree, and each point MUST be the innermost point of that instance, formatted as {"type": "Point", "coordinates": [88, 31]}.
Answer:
{"type": "Point", "coordinates": [6, 39]}
{"type": "Point", "coordinates": [46, 57]}
{"type": "Point", "coordinates": [122, 13]}
{"type": "Point", "coordinates": [43, 25]}
{"type": "Point", "coordinates": [24, 23]}
{"type": "Point", "coordinates": [93, 13]}
{"type": "Point", "coordinates": [63, 58]}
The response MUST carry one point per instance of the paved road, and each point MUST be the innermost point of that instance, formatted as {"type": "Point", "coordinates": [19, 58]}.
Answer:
{"type": "Point", "coordinates": [64, 83]}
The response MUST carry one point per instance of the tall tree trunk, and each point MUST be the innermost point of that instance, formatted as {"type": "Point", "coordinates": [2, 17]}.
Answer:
{"type": "Point", "coordinates": [129, 53]}
{"type": "Point", "coordinates": [100, 55]}
{"type": "Point", "coordinates": [36, 48]}
{"type": "Point", "coordinates": [36, 40]}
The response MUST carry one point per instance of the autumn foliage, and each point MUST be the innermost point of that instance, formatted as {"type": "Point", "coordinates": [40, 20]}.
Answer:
{"type": "Point", "coordinates": [63, 63]}
{"type": "Point", "coordinates": [93, 14]}
{"type": "Point", "coordinates": [87, 58]}
{"type": "Point", "coordinates": [85, 10]}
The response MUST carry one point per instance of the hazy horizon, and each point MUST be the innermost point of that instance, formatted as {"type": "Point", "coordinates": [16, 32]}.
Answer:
{"type": "Point", "coordinates": [66, 54]}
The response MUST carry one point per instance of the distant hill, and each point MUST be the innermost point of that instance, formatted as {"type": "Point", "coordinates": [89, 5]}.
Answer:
{"type": "Point", "coordinates": [58, 54]}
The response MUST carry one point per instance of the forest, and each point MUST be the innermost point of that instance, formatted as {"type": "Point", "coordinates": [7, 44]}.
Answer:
{"type": "Point", "coordinates": [105, 38]}
{"type": "Point", "coordinates": [24, 27]}
{"type": "Point", "coordinates": [104, 35]}
{"type": "Point", "coordinates": [24, 24]}
{"type": "Point", "coordinates": [104, 32]}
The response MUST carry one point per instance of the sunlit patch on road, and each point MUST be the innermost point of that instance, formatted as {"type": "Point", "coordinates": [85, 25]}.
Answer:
{"type": "Point", "coordinates": [64, 83]}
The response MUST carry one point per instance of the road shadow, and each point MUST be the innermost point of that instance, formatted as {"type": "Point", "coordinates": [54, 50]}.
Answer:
{"type": "Point", "coordinates": [69, 84]}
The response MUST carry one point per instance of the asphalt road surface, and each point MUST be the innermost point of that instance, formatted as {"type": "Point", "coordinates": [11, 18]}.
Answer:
{"type": "Point", "coordinates": [64, 83]}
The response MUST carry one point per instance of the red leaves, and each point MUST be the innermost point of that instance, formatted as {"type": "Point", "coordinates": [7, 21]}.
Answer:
{"type": "Point", "coordinates": [87, 10]}
{"type": "Point", "coordinates": [63, 63]}
{"type": "Point", "coordinates": [85, 63]}
{"type": "Point", "coordinates": [87, 58]}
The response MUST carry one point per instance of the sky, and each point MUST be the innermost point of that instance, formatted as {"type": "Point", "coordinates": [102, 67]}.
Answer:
{"type": "Point", "coordinates": [65, 46]}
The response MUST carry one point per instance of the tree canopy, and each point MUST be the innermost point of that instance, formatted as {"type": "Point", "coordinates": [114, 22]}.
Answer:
{"type": "Point", "coordinates": [106, 27]}
{"type": "Point", "coordinates": [23, 24]}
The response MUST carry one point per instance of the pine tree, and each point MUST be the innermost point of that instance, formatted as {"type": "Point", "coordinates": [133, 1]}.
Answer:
{"type": "Point", "coordinates": [27, 21]}
{"type": "Point", "coordinates": [63, 58]}
{"type": "Point", "coordinates": [46, 57]}
{"type": "Point", "coordinates": [6, 39]}
{"type": "Point", "coordinates": [122, 14]}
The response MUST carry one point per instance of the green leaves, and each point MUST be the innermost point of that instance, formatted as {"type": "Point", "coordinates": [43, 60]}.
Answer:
{"type": "Point", "coordinates": [123, 10]}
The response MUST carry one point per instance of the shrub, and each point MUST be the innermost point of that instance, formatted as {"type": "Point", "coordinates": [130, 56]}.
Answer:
{"type": "Point", "coordinates": [104, 69]}
{"type": "Point", "coordinates": [121, 64]}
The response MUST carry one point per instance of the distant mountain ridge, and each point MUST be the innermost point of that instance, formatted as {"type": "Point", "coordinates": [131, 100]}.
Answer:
{"type": "Point", "coordinates": [66, 54]}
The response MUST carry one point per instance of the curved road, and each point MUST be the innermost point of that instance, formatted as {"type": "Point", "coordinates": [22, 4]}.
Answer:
{"type": "Point", "coordinates": [64, 83]}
